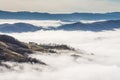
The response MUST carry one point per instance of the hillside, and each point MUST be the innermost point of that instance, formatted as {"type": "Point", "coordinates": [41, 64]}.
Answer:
{"type": "Point", "coordinates": [48, 16]}
{"type": "Point", "coordinates": [96, 26]}
{"type": "Point", "coordinates": [13, 50]}
{"type": "Point", "coordinates": [18, 27]}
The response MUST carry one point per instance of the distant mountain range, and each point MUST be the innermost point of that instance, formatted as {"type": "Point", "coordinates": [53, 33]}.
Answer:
{"type": "Point", "coordinates": [96, 26]}
{"type": "Point", "coordinates": [69, 17]}
{"type": "Point", "coordinates": [18, 27]}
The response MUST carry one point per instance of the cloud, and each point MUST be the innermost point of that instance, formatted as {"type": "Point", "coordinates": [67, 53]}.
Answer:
{"type": "Point", "coordinates": [105, 64]}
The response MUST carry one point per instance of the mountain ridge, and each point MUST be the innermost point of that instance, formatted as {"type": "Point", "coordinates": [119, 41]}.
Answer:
{"type": "Point", "coordinates": [18, 27]}
{"type": "Point", "coordinates": [68, 16]}
{"type": "Point", "coordinates": [95, 26]}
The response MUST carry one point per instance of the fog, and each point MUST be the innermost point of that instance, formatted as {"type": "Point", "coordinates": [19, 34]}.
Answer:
{"type": "Point", "coordinates": [91, 21]}
{"type": "Point", "coordinates": [39, 23]}
{"type": "Point", "coordinates": [45, 23]}
{"type": "Point", "coordinates": [103, 65]}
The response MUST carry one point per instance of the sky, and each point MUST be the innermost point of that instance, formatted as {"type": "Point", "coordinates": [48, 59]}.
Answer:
{"type": "Point", "coordinates": [61, 6]}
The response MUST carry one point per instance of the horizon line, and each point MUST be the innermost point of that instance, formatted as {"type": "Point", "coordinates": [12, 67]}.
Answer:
{"type": "Point", "coordinates": [61, 12]}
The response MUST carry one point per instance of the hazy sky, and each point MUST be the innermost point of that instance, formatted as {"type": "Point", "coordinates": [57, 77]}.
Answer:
{"type": "Point", "coordinates": [61, 6]}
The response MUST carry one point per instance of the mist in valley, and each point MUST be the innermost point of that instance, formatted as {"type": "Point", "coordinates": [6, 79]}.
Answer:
{"type": "Point", "coordinates": [98, 56]}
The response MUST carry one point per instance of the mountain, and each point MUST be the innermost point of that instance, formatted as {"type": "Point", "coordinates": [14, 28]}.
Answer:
{"type": "Point", "coordinates": [70, 17]}
{"type": "Point", "coordinates": [96, 26]}
{"type": "Point", "coordinates": [14, 50]}
{"type": "Point", "coordinates": [18, 27]}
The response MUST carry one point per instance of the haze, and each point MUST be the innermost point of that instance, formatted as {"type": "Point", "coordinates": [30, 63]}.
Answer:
{"type": "Point", "coordinates": [61, 6]}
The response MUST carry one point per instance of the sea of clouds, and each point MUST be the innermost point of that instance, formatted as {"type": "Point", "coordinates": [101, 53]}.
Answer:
{"type": "Point", "coordinates": [45, 23]}
{"type": "Point", "coordinates": [38, 23]}
{"type": "Point", "coordinates": [103, 65]}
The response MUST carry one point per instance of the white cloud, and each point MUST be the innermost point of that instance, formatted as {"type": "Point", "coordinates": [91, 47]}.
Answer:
{"type": "Point", "coordinates": [38, 23]}
{"type": "Point", "coordinates": [105, 64]}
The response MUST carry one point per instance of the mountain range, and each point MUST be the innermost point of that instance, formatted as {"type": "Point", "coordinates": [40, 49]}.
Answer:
{"type": "Point", "coordinates": [18, 27]}
{"type": "Point", "coordinates": [69, 17]}
{"type": "Point", "coordinates": [96, 26]}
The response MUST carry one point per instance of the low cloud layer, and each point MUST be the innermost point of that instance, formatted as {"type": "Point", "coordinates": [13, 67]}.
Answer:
{"type": "Point", "coordinates": [105, 63]}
